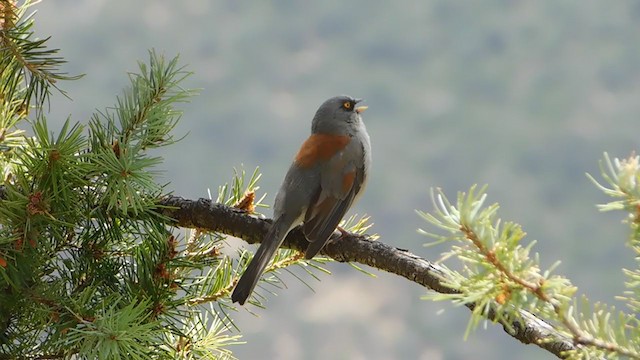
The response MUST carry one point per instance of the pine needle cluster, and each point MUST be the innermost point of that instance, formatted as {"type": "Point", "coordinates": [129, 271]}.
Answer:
{"type": "Point", "coordinates": [88, 268]}
{"type": "Point", "coordinates": [498, 274]}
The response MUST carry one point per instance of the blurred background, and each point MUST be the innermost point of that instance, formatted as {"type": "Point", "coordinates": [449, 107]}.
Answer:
{"type": "Point", "coordinates": [522, 95]}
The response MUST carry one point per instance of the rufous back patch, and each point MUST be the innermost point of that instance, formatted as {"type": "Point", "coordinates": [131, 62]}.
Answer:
{"type": "Point", "coordinates": [320, 147]}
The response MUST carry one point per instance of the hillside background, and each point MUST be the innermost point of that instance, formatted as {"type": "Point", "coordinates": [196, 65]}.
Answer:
{"type": "Point", "coordinates": [522, 95]}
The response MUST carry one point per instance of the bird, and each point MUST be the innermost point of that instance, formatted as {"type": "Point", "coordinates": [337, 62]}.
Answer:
{"type": "Point", "coordinates": [327, 176]}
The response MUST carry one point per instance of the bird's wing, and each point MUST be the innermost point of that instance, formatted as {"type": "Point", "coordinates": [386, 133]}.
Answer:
{"type": "Point", "coordinates": [341, 180]}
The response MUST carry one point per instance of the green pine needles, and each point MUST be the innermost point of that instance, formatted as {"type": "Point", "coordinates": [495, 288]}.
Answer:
{"type": "Point", "coordinates": [88, 267]}
{"type": "Point", "coordinates": [27, 68]}
{"type": "Point", "coordinates": [499, 274]}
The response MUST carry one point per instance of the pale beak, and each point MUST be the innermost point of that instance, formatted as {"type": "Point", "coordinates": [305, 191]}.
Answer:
{"type": "Point", "coordinates": [361, 109]}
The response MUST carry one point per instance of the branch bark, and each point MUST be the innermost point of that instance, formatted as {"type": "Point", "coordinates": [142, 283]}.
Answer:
{"type": "Point", "coordinates": [205, 214]}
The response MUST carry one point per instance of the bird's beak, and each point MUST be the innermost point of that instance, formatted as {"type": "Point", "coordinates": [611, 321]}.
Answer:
{"type": "Point", "coordinates": [361, 109]}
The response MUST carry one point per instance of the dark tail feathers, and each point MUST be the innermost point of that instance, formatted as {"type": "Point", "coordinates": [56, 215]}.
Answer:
{"type": "Point", "coordinates": [267, 249]}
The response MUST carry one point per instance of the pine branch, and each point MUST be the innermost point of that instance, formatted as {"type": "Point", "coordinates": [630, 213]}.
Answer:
{"type": "Point", "coordinates": [205, 214]}
{"type": "Point", "coordinates": [26, 62]}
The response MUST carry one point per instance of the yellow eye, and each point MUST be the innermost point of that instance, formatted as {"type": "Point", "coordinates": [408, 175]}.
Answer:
{"type": "Point", "coordinates": [347, 105]}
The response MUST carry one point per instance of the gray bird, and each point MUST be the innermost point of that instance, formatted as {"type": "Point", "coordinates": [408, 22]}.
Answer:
{"type": "Point", "coordinates": [326, 177]}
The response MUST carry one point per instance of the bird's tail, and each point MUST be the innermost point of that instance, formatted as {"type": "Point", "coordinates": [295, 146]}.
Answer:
{"type": "Point", "coordinates": [267, 249]}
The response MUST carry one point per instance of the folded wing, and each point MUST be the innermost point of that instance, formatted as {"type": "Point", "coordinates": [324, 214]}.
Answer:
{"type": "Point", "coordinates": [331, 202]}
